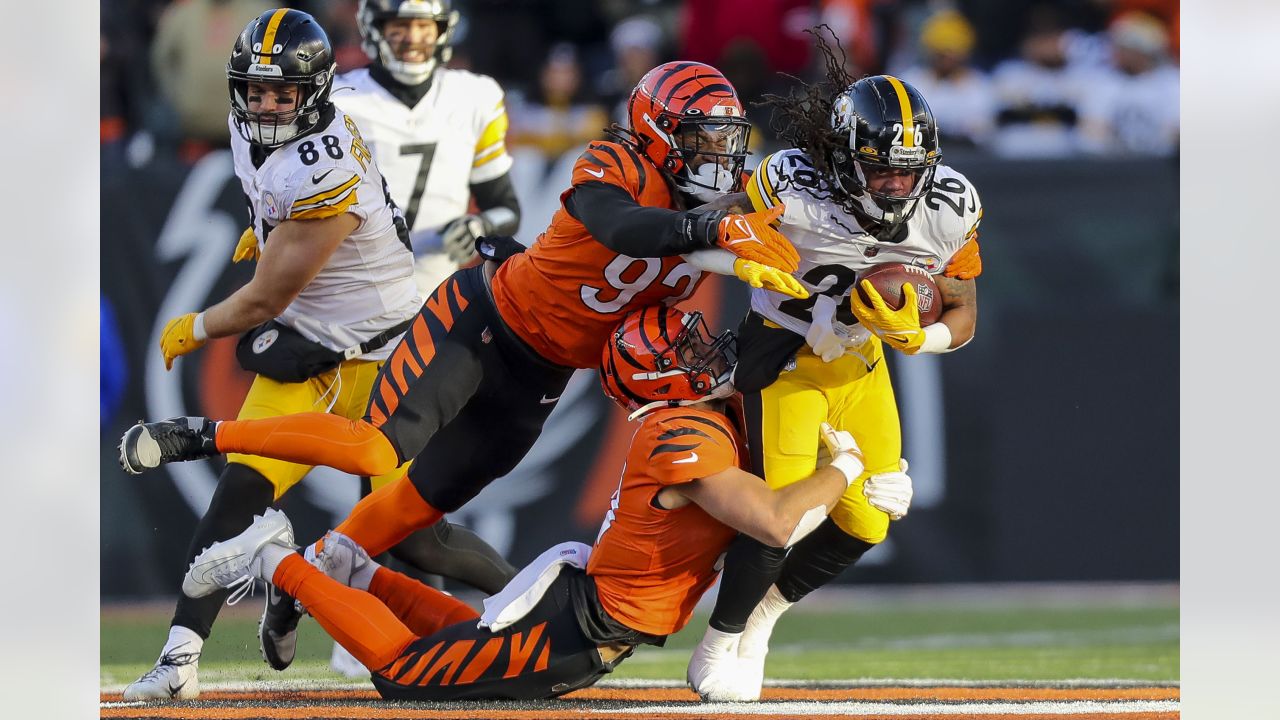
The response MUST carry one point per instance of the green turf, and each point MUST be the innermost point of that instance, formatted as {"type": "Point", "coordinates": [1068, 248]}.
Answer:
{"type": "Point", "coordinates": [1028, 643]}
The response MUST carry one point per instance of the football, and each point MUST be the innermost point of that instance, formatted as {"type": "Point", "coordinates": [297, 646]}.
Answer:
{"type": "Point", "coordinates": [888, 280]}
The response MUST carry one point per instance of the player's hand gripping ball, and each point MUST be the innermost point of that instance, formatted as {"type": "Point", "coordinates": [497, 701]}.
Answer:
{"type": "Point", "coordinates": [895, 301]}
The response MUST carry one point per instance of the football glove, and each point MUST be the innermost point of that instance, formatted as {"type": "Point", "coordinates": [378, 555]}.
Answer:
{"type": "Point", "coordinates": [769, 278]}
{"type": "Point", "coordinates": [899, 328]}
{"type": "Point", "coordinates": [966, 264]}
{"type": "Point", "coordinates": [178, 338]}
{"type": "Point", "coordinates": [247, 247]}
{"type": "Point", "coordinates": [846, 456]}
{"type": "Point", "coordinates": [890, 492]}
{"type": "Point", "coordinates": [458, 237]}
{"type": "Point", "coordinates": [753, 237]}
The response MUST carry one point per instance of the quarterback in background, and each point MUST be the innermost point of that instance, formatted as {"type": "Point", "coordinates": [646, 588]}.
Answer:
{"type": "Point", "coordinates": [575, 613]}
{"type": "Point", "coordinates": [439, 134]}
{"type": "Point", "coordinates": [863, 185]}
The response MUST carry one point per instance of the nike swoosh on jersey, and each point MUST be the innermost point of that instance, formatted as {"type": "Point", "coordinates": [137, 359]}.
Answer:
{"type": "Point", "coordinates": [320, 176]}
{"type": "Point", "coordinates": [693, 457]}
{"type": "Point", "coordinates": [597, 173]}
{"type": "Point", "coordinates": [547, 401]}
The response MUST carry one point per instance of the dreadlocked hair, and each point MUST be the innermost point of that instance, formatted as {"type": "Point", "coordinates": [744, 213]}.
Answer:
{"type": "Point", "coordinates": [802, 118]}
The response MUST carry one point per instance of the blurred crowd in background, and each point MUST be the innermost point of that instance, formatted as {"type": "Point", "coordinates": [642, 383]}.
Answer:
{"type": "Point", "coordinates": [1044, 79]}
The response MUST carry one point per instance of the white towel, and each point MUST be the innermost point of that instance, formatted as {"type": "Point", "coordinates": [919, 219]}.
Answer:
{"type": "Point", "coordinates": [525, 589]}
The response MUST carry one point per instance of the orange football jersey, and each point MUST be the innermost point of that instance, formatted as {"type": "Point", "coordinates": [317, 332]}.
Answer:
{"type": "Point", "coordinates": [651, 564]}
{"type": "Point", "coordinates": [564, 295]}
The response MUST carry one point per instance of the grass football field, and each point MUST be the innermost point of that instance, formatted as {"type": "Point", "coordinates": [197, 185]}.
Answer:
{"type": "Point", "coordinates": [966, 633]}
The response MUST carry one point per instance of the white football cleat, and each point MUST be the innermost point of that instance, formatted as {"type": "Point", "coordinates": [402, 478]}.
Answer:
{"type": "Point", "coordinates": [754, 645]}
{"type": "Point", "coordinates": [340, 557]}
{"type": "Point", "coordinates": [713, 667]}
{"type": "Point", "coordinates": [235, 563]}
{"type": "Point", "coordinates": [172, 678]}
{"type": "Point", "coordinates": [346, 664]}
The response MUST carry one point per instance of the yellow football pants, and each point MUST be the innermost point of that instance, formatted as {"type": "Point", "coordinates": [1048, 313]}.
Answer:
{"type": "Point", "coordinates": [844, 393]}
{"type": "Point", "coordinates": [351, 382]}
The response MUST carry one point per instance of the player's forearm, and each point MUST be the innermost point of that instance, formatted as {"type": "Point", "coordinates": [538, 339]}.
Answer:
{"type": "Point", "coordinates": [246, 308]}
{"type": "Point", "coordinates": [621, 224]}
{"type": "Point", "coordinates": [960, 310]}
{"type": "Point", "coordinates": [800, 506]}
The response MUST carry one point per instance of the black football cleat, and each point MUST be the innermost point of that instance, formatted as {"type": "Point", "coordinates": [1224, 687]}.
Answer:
{"type": "Point", "coordinates": [149, 445]}
{"type": "Point", "coordinates": [278, 629]}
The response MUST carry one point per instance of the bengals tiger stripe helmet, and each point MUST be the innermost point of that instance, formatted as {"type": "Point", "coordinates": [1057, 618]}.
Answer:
{"type": "Point", "coordinates": [687, 118]}
{"type": "Point", "coordinates": [660, 356]}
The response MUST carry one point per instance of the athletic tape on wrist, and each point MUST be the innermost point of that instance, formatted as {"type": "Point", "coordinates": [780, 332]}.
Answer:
{"type": "Point", "coordinates": [849, 465]}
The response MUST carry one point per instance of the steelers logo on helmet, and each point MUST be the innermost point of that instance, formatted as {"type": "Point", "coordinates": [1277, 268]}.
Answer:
{"type": "Point", "coordinates": [687, 119]}
{"type": "Point", "coordinates": [887, 150]}
{"type": "Point", "coordinates": [409, 38]}
{"type": "Point", "coordinates": [662, 357]}
{"type": "Point", "coordinates": [279, 77]}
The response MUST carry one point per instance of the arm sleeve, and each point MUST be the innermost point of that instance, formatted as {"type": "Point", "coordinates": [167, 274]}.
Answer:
{"type": "Point", "coordinates": [608, 181]}
{"type": "Point", "coordinates": [498, 204]}
{"type": "Point", "coordinates": [617, 221]}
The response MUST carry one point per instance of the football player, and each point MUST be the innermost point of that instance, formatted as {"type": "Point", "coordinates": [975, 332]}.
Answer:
{"type": "Point", "coordinates": [438, 134]}
{"type": "Point", "coordinates": [863, 184]}
{"type": "Point", "coordinates": [334, 275]}
{"type": "Point", "coordinates": [495, 345]}
{"type": "Point", "coordinates": [560, 626]}
{"type": "Point", "coordinates": [439, 138]}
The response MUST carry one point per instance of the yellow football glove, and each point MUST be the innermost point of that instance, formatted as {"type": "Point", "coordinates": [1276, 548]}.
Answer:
{"type": "Point", "coordinates": [179, 338]}
{"type": "Point", "coordinates": [769, 278]}
{"type": "Point", "coordinates": [899, 328]}
{"type": "Point", "coordinates": [247, 248]}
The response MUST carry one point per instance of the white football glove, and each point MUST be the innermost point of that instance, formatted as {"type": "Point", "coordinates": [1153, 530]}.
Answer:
{"type": "Point", "coordinates": [459, 235]}
{"type": "Point", "coordinates": [846, 456]}
{"type": "Point", "coordinates": [822, 336]}
{"type": "Point", "coordinates": [890, 492]}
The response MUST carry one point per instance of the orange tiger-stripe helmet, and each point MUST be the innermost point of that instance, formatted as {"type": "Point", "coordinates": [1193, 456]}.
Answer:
{"type": "Point", "coordinates": [689, 121]}
{"type": "Point", "coordinates": [661, 356]}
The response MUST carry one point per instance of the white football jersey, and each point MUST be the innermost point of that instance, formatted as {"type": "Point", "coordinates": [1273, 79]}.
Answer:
{"type": "Point", "coordinates": [367, 284]}
{"type": "Point", "coordinates": [432, 152]}
{"type": "Point", "coordinates": [834, 248]}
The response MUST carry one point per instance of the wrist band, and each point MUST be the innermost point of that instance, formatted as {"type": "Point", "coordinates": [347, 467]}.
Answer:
{"type": "Point", "coordinates": [937, 339]}
{"type": "Point", "coordinates": [197, 329]}
{"type": "Point", "coordinates": [848, 464]}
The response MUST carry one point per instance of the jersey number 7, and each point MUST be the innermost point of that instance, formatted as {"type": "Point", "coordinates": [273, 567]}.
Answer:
{"type": "Point", "coordinates": [428, 151]}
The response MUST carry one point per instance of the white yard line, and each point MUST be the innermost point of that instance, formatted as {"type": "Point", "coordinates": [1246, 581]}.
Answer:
{"type": "Point", "coordinates": [881, 709]}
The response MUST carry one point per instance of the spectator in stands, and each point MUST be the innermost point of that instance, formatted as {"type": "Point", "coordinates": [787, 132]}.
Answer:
{"type": "Point", "coordinates": [1133, 106]}
{"type": "Point", "coordinates": [189, 62]}
{"type": "Point", "coordinates": [557, 118]}
{"type": "Point", "coordinates": [960, 95]}
{"type": "Point", "coordinates": [637, 44]}
{"type": "Point", "coordinates": [1038, 95]}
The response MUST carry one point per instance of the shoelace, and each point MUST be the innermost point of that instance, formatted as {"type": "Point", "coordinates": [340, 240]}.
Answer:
{"type": "Point", "coordinates": [240, 587]}
{"type": "Point", "coordinates": [170, 659]}
{"type": "Point", "coordinates": [175, 439]}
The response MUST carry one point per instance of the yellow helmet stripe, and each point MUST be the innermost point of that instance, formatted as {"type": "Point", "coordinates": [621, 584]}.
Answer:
{"type": "Point", "coordinates": [269, 37]}
{"type": "Point", "coordinates": [908, 126]}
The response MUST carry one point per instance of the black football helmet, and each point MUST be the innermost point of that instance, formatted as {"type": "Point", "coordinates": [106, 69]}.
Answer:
{"type": "Point", "coordinates": [281, 46]}
{"type": "Point", "coordinates": [373, 13]}
{"type": "Point", "coordinates": [884, 122]}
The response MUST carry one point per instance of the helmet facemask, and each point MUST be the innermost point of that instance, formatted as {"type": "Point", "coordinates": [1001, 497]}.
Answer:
{"type": "Point", "coordinates": [272, 129]}
{"type": "Point", "coordinates": [852, 177]}
{"type": "Point", "coordinates": [372, 24]}
{"type": "Point", "coordinates": [713, 153]}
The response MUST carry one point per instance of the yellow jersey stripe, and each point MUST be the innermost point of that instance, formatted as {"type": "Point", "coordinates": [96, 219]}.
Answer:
{"type": "Point", "coordinates": [765, 183]}
{"type": "Point", "coordinates": [759, 201]}
{"type": "Point", "coordinates": [489, 155]}
{"type": "Point", "coordinates": [269, 37]}
{"type": "Point", "coordinates": [320, 212]}
{"type": "Point", "coordinates": [494, 132]}
{"type": "Point", "coordinates": [328, 194]}
{"type": "Point", "coordinates": [908, 125]}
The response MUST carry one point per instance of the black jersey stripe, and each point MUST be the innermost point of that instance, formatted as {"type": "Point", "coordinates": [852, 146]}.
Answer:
{"type": "Point", "coordinates": [671, 448]}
